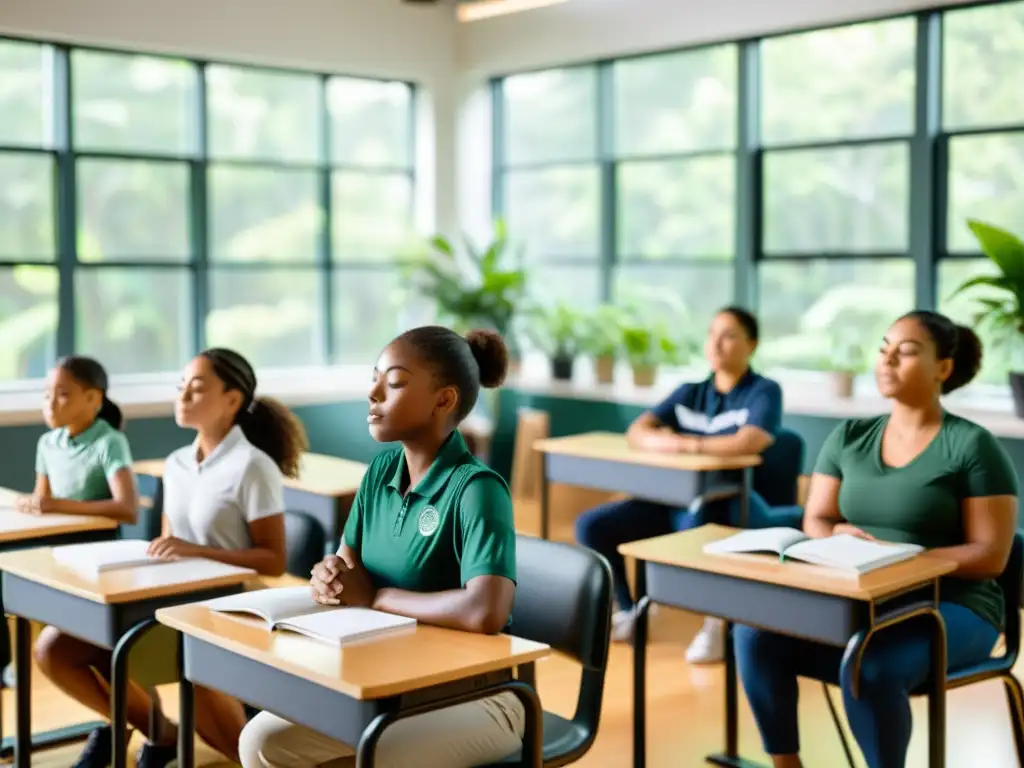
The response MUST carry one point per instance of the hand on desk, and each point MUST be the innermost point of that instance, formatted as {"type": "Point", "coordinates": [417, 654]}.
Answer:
{"type": "Point", "coordinates": [335, 582]}
{"type": "Point", "coordinates": [34, 505]}
{"type": "Point", "coordinates": [851, 530]}
{"type": "Point", "coordinates": [170, 548]}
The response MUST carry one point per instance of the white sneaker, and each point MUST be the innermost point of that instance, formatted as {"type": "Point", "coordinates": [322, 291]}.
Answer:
{"type": "Point", "coordinates": [708, 647]}
{"type": "Point", "coordinates": [622, 626]}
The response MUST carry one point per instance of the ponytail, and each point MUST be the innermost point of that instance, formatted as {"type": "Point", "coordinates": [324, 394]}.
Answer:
{"type": "Point", "coordinates": [275, 430]}
{"type": "Point", "coordinates": [265, 422]}
{"type": "Point", "coordinates": [111, 413]}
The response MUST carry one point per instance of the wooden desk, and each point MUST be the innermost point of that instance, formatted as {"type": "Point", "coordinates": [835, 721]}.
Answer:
{"type": "Point", "coordinates": [324, 489]}
{"type": "Point", "coordinates": [790, 598]}
{"type": "Point", "coordinates": [350, 694]}
{"type": "Point", "coordinates": [603, 461]}
{"type": "Point", "coordinates": [113, 610]}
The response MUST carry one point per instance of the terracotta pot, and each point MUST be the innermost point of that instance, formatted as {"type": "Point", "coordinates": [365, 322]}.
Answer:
{"type": "Point", "coordinates": [644, 375]}
{"type": "Point", "coordinates": [842, 384]}
{"type": "Point", "coordinates": [604, 369]}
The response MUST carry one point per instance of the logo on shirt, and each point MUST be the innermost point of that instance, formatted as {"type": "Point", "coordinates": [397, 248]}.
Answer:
{"type": "Point", "coordinates": [429, 520]}
{"type": "Point", "coordinates": [695, 421]}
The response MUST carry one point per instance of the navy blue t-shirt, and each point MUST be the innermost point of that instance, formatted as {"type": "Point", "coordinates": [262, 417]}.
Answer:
{"type": "Point", "coordinates": [699, 409]}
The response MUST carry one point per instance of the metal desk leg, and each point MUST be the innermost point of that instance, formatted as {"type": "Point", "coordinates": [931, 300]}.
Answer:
{"type": "Point", "coordinates": [119, 690]}
{"type": "Point", "coordinates": [544, 510]}
{"type": "Point", "coordinates": [937, 695]}
{"type": "Point", "coordinates": [186, 712]}
{"type": "Point", "coordinates": [643, 604]}
{"type": "Point", "coordinates": [23, 693]}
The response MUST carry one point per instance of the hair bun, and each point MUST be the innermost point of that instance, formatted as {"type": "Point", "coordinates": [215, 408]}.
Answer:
{"type": "Point", "coordinates": [966, 359]}
{"type": "Point", "coordinates": [491, 355]}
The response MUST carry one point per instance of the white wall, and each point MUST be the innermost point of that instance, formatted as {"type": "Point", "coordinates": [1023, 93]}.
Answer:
{"type": "Point", "coordinates": [381, 38]}
{"type": "Point", "coordinates": [583, 30]}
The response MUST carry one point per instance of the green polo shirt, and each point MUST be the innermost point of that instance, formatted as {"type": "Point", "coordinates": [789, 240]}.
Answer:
{"type": "Point", "coordinates": [921, 503]}
{"type": "Point", "coordinates": [81, 467]}
{"type": "Point", "coordinates": [456, 523]}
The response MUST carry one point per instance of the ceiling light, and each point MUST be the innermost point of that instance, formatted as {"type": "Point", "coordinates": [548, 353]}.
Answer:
{"type": "Point", "coordinates": [486, 9]}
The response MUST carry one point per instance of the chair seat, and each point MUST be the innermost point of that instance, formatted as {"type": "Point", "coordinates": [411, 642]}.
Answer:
{"type": "Point", "coordinates": [563, 739]}
{"type": "Point", "coordinates": [989, 668]}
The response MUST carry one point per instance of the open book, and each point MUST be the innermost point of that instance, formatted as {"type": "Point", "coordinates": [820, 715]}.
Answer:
{"type": "Point", "coordinates": [99, 557]}
{"type": "Point", "coordinates": [844, 552]}
{"type": "Point", "coordinates": [294, 609]}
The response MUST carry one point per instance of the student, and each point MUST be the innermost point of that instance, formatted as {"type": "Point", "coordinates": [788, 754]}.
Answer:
{"type": "Point", "coordinates": [83, 464]}
{"type": "Point", "coordinates": [916, 475]}
{"type": "Point", "coordinates": [733, 412]}
{"type": "Point", "coordinates": [430, 536]}
{"type": "Point", "coordinates": [223, 500]}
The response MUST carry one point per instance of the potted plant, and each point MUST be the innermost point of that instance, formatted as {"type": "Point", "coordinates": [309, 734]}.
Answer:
{"type": "Point", "coordinates": [647, 347]}
{"type": "Point", "coordinates": [1001, 309]}
{"type": "Point", "coordinates": [556, 331]}
{"type": "Point", "coordinates": [602, 339]}
{"type": "Point", "coordinates": [469, 287]}
{"type": "Point", "coordinates": [843, 368]}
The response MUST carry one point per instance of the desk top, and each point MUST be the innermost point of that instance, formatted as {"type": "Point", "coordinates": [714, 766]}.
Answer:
{"type": "Point", "coordinates": [20, 526]}
{"type": "Point", "coordinates": [385, 666]}
{"type": "Point", "coordinates": [611, 446]}
{"type": "Point", "coordinates": [684, 549]}
{"type": "Point", "coordinates": [318, 474]}
{"type": "Point", "coordinates": [124, 585]}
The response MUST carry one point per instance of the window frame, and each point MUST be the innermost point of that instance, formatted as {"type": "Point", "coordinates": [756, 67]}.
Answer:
{"type": "Point", "coordinates": [66, 155]}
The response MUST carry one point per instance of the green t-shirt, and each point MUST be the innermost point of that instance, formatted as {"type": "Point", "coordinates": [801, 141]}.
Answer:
{"type": "Point", "coordinates": [456, 523]}
{"type": "Point", "coordinates": [80, 468]}
{"type": "Point", "coordinates": [921, 503]}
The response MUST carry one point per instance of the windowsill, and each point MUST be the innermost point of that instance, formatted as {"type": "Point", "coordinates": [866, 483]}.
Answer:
{"type": "Point", "coordinates": [804, 393]}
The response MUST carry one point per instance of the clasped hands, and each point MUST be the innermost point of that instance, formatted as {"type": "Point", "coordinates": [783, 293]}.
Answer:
{"type": "Point", "coordinates": [337, 582]}
{"type": "Point", "coordinates": [34, 505]}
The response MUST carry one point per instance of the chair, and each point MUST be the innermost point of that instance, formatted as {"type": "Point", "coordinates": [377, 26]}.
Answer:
{"type": "Point", "coordinates": [304, 543]}
{"type": "Point", "coordinates": [564, 599]}
{"type": "Point", "coordinates": [1012, 583]}
{"type": "Point", "coordinates": [776, 479]}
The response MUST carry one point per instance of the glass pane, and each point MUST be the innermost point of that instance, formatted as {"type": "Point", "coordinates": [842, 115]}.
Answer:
{"type": "Point", "coordinates": [983, 66]}
{"type": "Point", "coordinates": [262, 214]}
{"type": "Point", "coordinates": [677, 208]}
{"type": "Point", "coordinates": [370, 308]}
{"type": "Point", "coordinates": [26, 93]}
{"type": "Point", "coordinates": [687, 295]}
{"type": "Point", "coordinates": [263, 115]}
{"type": "Point", "coordinates": [842, 83]}
{"type": "Point", "coordinates": [845, 200]}
{"type": "Point", "coordinates": [28, 321]}
{"type": "Point", "coordinates": [371, 122]}
{"type": "Point", "coordinates": [811, 311]}
{"type": "Point", "coordinates": [555, 211]}
{"type": "Point", "coordinates": [269, 315]}
{"type": "Point", "coordinates": [129, 103]}
{"type": "Point", "coordinates": [578, 286]}
{"type": "Point", "coordinates": [986, 181]}
{"type": "Point", "coordinates": [550, 116]}
{"type": "Point", "coordinates": [135, 320]}
{"type": "Point", "coordinates": [26, 206]}
{"type": "Point", "coordinates": [997, 361]}
{"type": "Point", "coordinates": [677, 102]}
{"type": "Point", "coordinates": [372, 215]}
{"type": "Point", "coordinates": [132, 210]}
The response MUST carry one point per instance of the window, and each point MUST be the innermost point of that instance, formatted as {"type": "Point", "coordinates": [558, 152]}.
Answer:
{"type": "Point", "coordinates": [178, 220]}
{"type": "Point", "coordinates": [550, 116]}
{"type": "Point", "coordinates": [814, 313]}
{"type": "Point", "coordinates": [986, 181]}
{"type": "Point", "coordinates": [371, 307]}
{"type": "Point", "coordinates": [556, 211]}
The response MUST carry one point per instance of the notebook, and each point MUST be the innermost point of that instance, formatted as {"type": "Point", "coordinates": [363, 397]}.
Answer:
{"type": "Point", "coordinates": [99, 557]}
{"type": "Point", "coordinates": [844, 553]}
{"type": "Point", "coordinates": [294, 609]}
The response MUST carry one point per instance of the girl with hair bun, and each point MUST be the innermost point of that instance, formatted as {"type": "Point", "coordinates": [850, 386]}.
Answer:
{"type": "Point", "coordinates": [917, 475]}
{"type": "Point", "coordinates": [430, 536]}
{"type": "Point", "coordinates": [223, 500]}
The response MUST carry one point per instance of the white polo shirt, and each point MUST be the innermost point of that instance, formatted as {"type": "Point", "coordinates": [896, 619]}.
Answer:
{"type": "Point", "coordinates": [212, 502]}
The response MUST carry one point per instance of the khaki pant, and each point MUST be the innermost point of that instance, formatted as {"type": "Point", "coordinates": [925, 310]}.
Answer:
{"type": "Point", "coordinates": [463, 736]}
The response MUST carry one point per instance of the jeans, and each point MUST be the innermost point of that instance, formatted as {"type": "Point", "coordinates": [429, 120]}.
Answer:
{"type": "Point", "coordinates": [604, 528]}
{"type": "Point", "coordinates": [896, 661]}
